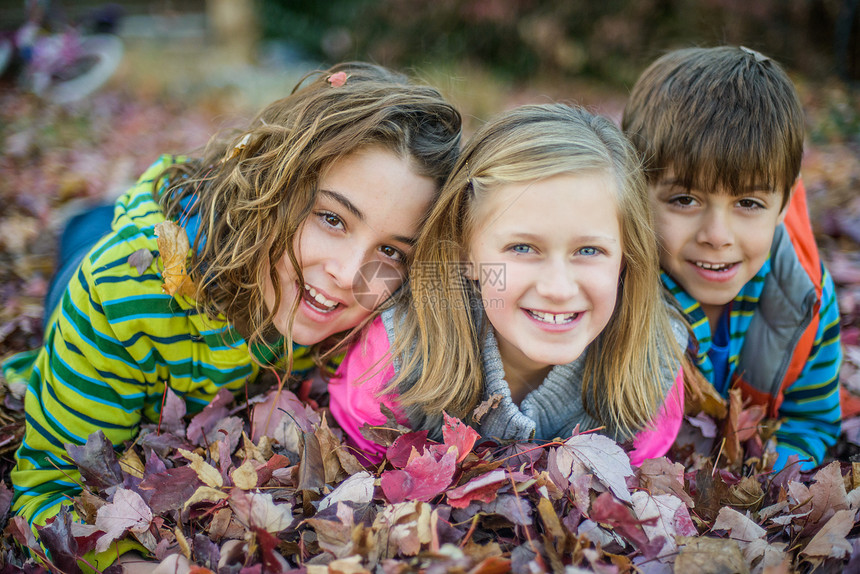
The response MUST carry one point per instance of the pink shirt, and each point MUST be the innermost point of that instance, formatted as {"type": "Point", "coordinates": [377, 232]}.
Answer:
{"type": "Point", "coordinates": [366, 370]}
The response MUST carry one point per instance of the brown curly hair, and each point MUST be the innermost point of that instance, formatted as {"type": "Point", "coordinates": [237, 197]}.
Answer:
{"type": "Point", "coordinates": [253, 192]}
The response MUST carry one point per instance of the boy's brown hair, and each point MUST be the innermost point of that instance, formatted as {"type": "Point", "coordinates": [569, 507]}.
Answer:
{"type": "Point", "coordinates": [723, 118]}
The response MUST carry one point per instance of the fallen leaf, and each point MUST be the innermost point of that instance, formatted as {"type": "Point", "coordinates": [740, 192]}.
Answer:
{"type": "Point", "coordinates": [661, 476]}
{"type": "Point", "coordinates": [205, 494]}
{"type": "Point", "coordinates": [141, 260]}
{"type": "Point", "coordinates": [245, 477]}
{"type": "Point", "coordinates": [207, 473]}
{"type": "Point", "coordinates": [605, 458]}
{"type": "Point", "coordinates": [258, 510]}
{"type": "Point", "coordinates": [58, 540]}
{"type": "Point", "coordinates": [709, 556]}
{"type": "Point", "coordinates": [422, 478]}
{"type": "Point", "coordinates": [485, 406]}
{"type": "Point", "coordinates": [357, 489]}
{"type": "Point", "coordinates": [173, 247]}
{"type": "Point", "coordinates": [400, 450]}
{"type": "Point", "coordinates": [482, 488]}
{"type": "Point", "coordinates": [96, 461]}
{"type": "Point", "coordinates": [407, 525]}
{"type": "Point", "coordinates": [831, 542]}
{"type": "Point", "coordinates": [128, 511]}
{"type": "Point", "coordinates": [456, 433]}
{"type": "Point", "coordinates": [169, 490]}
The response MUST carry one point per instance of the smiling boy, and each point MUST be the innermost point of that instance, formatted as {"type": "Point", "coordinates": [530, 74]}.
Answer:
{"type": "Point", "coordinates": [721, 134]}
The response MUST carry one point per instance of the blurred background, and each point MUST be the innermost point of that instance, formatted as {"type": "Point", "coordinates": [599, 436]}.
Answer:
{"type": "Point", "coordinates": [92, 92]}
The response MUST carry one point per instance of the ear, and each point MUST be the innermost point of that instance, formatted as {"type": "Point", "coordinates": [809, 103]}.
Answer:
{"type": "Point", "coordinates": [470, 269]}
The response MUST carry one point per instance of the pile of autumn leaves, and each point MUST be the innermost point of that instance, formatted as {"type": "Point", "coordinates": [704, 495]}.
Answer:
{"type": "Point", "coordinates": [268, 486]}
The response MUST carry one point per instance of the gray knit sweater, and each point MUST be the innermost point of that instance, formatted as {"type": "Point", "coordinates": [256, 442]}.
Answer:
{"type": "Point", "coordinates": [552, 410]}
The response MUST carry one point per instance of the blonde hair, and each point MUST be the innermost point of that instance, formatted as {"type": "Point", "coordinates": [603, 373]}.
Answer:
{"type": "Point", "coordinates": [253, 192]}
{"type": "Point", "coordinates": [441, 339]}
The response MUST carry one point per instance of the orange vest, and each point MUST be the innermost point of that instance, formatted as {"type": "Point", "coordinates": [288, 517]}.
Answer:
{"type": "Point", "coordinates": [799, 230]}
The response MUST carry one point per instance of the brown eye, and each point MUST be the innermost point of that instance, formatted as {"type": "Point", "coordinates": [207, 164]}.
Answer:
{"type": "Point", "coordinates": [392, 253]}
{"type": "Point", "coordinates": [330, 219]}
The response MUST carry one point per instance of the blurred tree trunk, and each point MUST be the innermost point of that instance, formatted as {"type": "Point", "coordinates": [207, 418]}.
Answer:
{"type": "Point", "coordinates": [235, 28]}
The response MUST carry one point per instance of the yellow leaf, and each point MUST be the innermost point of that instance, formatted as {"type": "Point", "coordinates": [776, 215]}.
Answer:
{"type": "Point", "coordinates": [252, 451]}
{"type": "Point", "coordinates": [173, 246]}
{"type": "Point", "coordinates": [245, 477]}
{"type": "Point", "coordinates": [205, 471]}
{"type": "Point", "coordinates": [183, 543]}
{"type": "Point", "coordinates": [132, 464]}
{"type": "Point", "coordinates": [205, 494]}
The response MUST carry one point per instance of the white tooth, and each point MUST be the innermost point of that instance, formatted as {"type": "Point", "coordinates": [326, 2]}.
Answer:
{"type": "Point", "coordinates": [319, 298]}
{"type": "Point", "coordinates": [554, 318]}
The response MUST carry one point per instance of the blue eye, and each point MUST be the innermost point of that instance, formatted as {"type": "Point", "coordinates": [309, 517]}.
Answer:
{"type": "Point", "coordinates": [589, 251]}
{"type": "Point", "coordinates": [521, 248]}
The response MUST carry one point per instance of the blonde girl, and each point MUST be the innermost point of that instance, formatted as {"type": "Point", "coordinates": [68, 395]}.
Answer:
{"type": "Point", "coordinates": [535, 286]}
{"type": "Point", "coordinates": [281, 220]}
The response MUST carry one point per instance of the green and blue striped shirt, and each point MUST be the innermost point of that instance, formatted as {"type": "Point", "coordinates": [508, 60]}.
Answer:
{"type": "Point", "coordinates": [114, 342]}
{"type": "Point", "coordinates": [810, 412]}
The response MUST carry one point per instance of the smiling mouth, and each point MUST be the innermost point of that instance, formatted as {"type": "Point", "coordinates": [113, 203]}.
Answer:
{"type": "Point", "coordinates": [318, 301]}
{"type": "Point", "coordinates": [714, 266]}
{"type": "Point", "coordinates": [552, 318]}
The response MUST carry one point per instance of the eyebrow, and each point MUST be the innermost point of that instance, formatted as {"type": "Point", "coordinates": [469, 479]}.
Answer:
{"type": "Point", "coordinates": [342, 199]}
{"type": "Point", "coordinates": [579, 239]}
{"type": "Point", "coordinates": [676, 183]}
{"type": "Point", "coordinates": [353, 209]}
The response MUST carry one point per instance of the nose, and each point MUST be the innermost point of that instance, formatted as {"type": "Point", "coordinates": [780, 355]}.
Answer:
{"type": "Point", "coordinates": [557, 280]}
{"type": "Point", "coordinates": [715, 229]}
{"type": "Point", "coordinates": [344, 266]}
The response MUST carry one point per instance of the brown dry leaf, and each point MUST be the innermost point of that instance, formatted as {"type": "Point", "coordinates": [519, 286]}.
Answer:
{"type": "Point", "coordinates": [700, 395]}
{"type": "Point", "coordinates": [335, 536]}
{"type": "Point", "coordinates": [732, 450]}
{"type": "Point", "coordinates": [258, 510]}
{"type": "Point", "coordinates": [746, 494]}
{"type": "Point", "coordinates": [219, 524]}
{"type": "Point", "coordinates": [828, 493]}
{"type": "Point", "coordinates": [329, 445]}
{"type": "Point", "coordinates": [709, 556]}
{"type": "Point", "coordinates": [87, 506]}
{"type": "Point", "coordinates": [407, 525]}
{"type": "Point", "coordinates": [173, 246]}
{"type": "Point", "coordinates": [661, 476]}
{"type": "Point", "coordinates": [744, 531]}
{"type": "Point", "coordinates": [348, 461]}
{"type": "Point", "coordinates": [830, 540]}
{"type": "Point", "coordinates": [483, 408]}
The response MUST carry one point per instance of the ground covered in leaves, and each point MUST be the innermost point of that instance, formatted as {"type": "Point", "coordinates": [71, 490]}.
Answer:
{"type": "Point", "coordinates": [267, 485]}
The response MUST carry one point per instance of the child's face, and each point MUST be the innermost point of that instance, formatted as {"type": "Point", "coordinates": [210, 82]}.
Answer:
{"type": "Point", "coordinates": [353, 246]}
{"type": "Point", "coordinates": [548, 255]}
{"type": "Point", "coordinates": [713, 243]}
